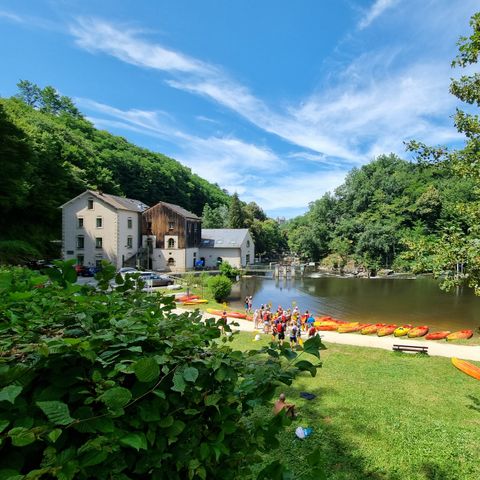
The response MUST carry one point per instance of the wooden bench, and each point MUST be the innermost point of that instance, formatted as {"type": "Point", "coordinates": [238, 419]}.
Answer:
{"type": "Point", "coordinates": [411, 348]}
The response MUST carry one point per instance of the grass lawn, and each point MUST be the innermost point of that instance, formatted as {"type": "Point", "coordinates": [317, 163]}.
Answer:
{"type": "Point", "coordinates": [383, 415]}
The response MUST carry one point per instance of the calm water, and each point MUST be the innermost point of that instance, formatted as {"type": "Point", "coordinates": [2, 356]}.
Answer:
{"type": "Point", "coordinates": [417, 301]}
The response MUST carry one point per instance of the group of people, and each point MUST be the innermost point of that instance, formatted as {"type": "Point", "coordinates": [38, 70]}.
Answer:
{"type": "Point", "coordinates": [281, 323]}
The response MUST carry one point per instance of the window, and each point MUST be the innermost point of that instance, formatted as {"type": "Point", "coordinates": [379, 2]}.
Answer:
{"type": "Point", "coordinates": [98, 262]}
{"type": "Point", "coordinates": [90, 203]}
{"type": "Point", "coordinates": [80, 242]}
{"type": "Point", "coordinates": [129, 242]}
{"type": "Point", "coordinates": [248, 243]}
{"type": "Point", "coordinates": [99, 223]}
{"type": "Point", "coordinates": [98, 242]}
{"type": "Point", "coordinates": [171, 243]}
{"type": "Point", "coordinates": [248, 259]}
{"type": "Point", "coordinates": [80, 222]}
{"type": "Point", "coordinates": [80, 260]}
{"type": "Point", "coordinates": [129, 222]}
{"type": "Point", "coordinates": [171, 225]}
{"type": "Point", "coordinates": [171, 262]}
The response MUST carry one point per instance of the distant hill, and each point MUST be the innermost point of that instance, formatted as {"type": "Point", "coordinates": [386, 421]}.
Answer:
{"type": "Point", "coordinates": [50, 153]}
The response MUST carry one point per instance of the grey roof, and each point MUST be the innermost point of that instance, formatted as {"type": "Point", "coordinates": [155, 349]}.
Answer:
{"type": "Point", "coordinates": [181, 211]}
{"type": "Point", "coordinates": [223, 237]}
{"type": "Point", "coordinates": [122, 203]}
{"type": "Point", "coordinates": [119, 203]}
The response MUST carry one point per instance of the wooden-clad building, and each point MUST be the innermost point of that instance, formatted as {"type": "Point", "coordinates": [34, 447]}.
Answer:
{"type": "Point", "coordinates": [172, 236]}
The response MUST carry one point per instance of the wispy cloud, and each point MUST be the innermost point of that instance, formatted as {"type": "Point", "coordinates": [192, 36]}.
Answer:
{"type": "Point", "coordinates": [378, 7]}
{"type": "Point", "coordinates": [10, 16]}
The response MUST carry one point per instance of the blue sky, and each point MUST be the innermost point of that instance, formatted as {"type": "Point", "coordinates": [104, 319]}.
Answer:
{"type": "Point", "coordinates": [274, 99]}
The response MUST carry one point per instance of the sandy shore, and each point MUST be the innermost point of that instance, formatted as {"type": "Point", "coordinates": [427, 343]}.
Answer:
{"type": "Point", "coordinates": [436, 349]}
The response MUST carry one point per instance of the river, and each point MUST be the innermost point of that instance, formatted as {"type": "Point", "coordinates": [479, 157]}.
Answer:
{"type": "Point", "coordinates": [381, 300]}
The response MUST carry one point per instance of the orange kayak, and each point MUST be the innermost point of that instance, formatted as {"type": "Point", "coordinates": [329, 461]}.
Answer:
{"type": "Point", "coordinates": [352, 327]}
{"type": "Point", "coordinates": [460, 335]}
{"type": "Point", "coordinates": [371, 329]}
{"type": "Point", "coordinates": [437, 335]}
{"type": "Point", "coordinates": [327, 328]}
{"type": "Point", "coordinates": [387, 330]}
{"type": "Point", "coordinates": [467, 367]}
{"type": "Point", "coordinates": [187, 298]}
{"type": "Point", "coordinates": [418, 332]}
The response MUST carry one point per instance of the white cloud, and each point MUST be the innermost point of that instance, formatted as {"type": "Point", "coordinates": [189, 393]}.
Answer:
{"type": "Point", "coordinates": [378, 7]}
{"type": "Point", "coordinates": [10, 16]}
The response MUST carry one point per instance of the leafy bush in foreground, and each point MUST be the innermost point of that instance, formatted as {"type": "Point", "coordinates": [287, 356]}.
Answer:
{"type": "Point", "coordinates": [110, 384]}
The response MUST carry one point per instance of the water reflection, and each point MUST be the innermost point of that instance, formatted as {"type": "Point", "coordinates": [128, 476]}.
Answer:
{"type": "Point", "coordinates": [418, 301]}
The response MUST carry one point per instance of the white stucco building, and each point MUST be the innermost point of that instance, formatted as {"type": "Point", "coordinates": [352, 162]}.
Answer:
{"type": "Point", "coordinates": [232, 245]}
{"type": "Point", "coordinates": [97, 226]}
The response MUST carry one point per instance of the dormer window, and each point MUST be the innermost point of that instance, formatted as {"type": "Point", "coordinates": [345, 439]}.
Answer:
{"type": "Point", "coordinates": [90, 203]}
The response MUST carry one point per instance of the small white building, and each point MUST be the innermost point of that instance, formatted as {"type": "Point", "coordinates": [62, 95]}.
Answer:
{"type": "Point", "coordinates": [232, 245]}
{"type": "Point", "coordinates": [97, 226]}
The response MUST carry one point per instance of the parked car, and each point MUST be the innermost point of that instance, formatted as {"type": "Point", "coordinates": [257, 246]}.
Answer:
{"type": "Point", "coordinates": [127, 270]}
{"type": "Point", "coordinates": [89, 271]}
{"type": "Point", "coordinates": [156, 279]}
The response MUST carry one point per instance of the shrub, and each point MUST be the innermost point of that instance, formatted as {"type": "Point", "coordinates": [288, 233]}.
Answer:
{"type": "Point", "coordinates": [228, 271]}
{"type": "Point", "coordinates": [99, 384]}
{"type": "Point", "coordinates": [220, 287]}
{"type": "Point", "coordinates": [17, 251]}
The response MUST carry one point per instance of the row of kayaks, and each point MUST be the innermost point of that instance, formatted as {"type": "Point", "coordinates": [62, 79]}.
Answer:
{"type": "Point", "coordinates": [382, 330]}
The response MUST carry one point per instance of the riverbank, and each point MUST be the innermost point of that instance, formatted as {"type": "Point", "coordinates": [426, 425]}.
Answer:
{"type": "Point", "coordinates": [435, 348]}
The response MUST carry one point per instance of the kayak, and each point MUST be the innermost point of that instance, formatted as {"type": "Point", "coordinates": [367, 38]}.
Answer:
{"type": "Point", "coordinates": [352, 327]}
{"type": "Point", "coordinates": [327, 328]}
{"type": "Point", "coordinates": [324, 323]}
{"type": "Point", "coordinates": [418, 332]}
{"type": "Point", "coordinates": [460, 335]}
{"type": "Point", "coordinates": [437, 335]}
{"type": "Point", "coordinates": [323, 319]}
{"type": "Point", "coordinates": [229, 314]}
{"type": "Point", "coordinates": [196, 301]}
{"type": "Point", "coordinates": [467, 367]}
{"type": "Point", "coordinates": [387, 330]}
{"type": "Point", "coordinates": [371, 329]}
{"type": "Point", "coordinates": [187, 298]}
{"type": "Point", "coordinates": [402, 331]}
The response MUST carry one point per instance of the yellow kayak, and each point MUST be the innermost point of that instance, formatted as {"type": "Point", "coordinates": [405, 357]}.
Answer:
{"type": "Point", "coordinates": [195, 302]}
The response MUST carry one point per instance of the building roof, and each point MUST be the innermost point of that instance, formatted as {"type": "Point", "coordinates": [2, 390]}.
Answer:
{"type": "Point", "coordinates": [223, 237]}
{"type": "Point", "coordinates": [179, 210]}
{"type": "Point", "coordinates": [119, 203]}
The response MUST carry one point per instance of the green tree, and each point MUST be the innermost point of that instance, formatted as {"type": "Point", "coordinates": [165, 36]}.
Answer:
{"type": "Point", "coordinates": [220, 287]}
{"type": "Point", "coordinates": [236, 215]}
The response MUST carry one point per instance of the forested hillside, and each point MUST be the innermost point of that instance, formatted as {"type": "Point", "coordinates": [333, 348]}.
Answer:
{"type": "Point", "coordinates": [49, 153]}
{"type": "Point", "coordinates": [389, 213]}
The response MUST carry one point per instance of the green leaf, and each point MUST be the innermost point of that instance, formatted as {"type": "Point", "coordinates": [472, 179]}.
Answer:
{"type": "Point", "coordinates": [204, 451]}
{"type": "Point", "coordinates": [146, 370]}
{"type": "Point", "coordinates": [116, 397]}
{"type": "Point", "coordinates": [54, 434]}
{"type": "Point", "coordinates": [57, 412]}
{"type": "Point", "coordinates": [305, 365]}
{"type": "Point", "coordinates": [176, 429]}
{"type": "Point", "coordinates": [10, 393]}
{"type": "Point", "coordinates": [137, 441]}
{"type": "Point", "coordinates": [273, 471]}
{"type": "Point", "coordinates": [93, 458]}
{"type": "Point", "coordinates": [21, 436]}
{"type": "Point", "coordinates": [212, 399]}
{"type": "Point", "coordinates": [10, 474]}
{"type": "Point", "coordinates": [166, 422]}
{"type": "Point", "coordinates": [190, 374]}
{"type": "Point", "coordinates": [4, 424]}
{"type": "Point", "coordinates": [179, 384]}
{"type": "Point", "coordinates": [312, 346]}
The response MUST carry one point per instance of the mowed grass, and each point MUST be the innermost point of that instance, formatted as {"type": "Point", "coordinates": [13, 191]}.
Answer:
{"type": "Point", "coordinates": [382, 415]}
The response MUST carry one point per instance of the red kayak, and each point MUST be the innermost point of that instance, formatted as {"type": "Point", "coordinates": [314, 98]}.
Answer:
{"type": "Point", "coordinates": [187, 298]}
{"type": "Point", "coordinates": [460, 335]}
{"type": "Point", "coordinates": [418, 332]}
{"type": "Point", "coordinates": [437, 335]}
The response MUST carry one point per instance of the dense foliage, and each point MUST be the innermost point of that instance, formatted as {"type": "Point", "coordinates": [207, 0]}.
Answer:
{"type": "Point", "coordinates": [50, 153]}
{"type": "Point", "coordinates": [380, 209]}
{"type": "Point", "coordinates": [107, 384]}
